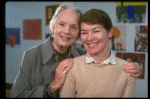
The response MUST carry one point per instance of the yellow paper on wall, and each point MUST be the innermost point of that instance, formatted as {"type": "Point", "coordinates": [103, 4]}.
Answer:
{"type": "Point", "coordinates": [49, 13]}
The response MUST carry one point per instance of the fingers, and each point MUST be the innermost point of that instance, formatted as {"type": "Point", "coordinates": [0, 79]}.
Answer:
{"type": "Point", "coordinates": [64, 66]}
{"type": "Point", "coordinates": [132, 66]}
{"type": "Point", "coordinates": [129, 66]}
{"type": "Point", "coordinates": [129, 60]}
{"type": "Point", "coordinates": [131, 71]}
{"type": "Point", "coordinates": [67, 67]}
{"type": "Point", "coordinates": [66, 61]}
{"type": "Point", "coordinates": [135, 75]}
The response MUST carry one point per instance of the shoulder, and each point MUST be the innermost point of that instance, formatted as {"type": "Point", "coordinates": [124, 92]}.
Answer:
{"type": "Point", "coordinates": [78, 62]}
{"type": "Point", "coordinates": [79, 59]}
{"type": "Point", "coordinates": [33, 53]}
{"type": "Point", "coordinates": [120, 65]}
{"type": "Point", "coordinates": [120, 61]}
{"type": "Point", "coordinates": [33, 50]}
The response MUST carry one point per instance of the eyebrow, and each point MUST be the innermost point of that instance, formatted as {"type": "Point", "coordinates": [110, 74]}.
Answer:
{"type": "Point", "coordinates": [96, 28]}
{"type": "Point", "coordinates": [92, 29]}
{"type": "Point", "coordinates": [70, 24]}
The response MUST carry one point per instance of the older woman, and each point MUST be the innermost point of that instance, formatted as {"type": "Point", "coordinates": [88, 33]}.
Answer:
{"type": "Point", "coordinates": [98, 73]}
{"type": "Point", "coordinates": [44, 67]}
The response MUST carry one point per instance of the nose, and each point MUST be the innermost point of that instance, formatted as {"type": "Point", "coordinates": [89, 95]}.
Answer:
{"type": "Point", "coordinates": [90, 36]}
{"type": "Point", "coordinates": [67, 30]}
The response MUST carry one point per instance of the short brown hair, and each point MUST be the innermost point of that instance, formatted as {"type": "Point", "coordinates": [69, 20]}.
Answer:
{"type": "Point", "coordinates": [96, 16]}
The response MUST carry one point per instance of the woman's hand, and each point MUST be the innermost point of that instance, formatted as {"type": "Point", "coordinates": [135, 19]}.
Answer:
{"type": "Point", "coordinates": [132, 68]}
{"type": "Point", "coordinates": [60, 74]}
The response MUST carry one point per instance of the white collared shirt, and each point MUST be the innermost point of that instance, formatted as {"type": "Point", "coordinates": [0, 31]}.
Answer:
{"type": "Point", "coordinates": [90, 59]}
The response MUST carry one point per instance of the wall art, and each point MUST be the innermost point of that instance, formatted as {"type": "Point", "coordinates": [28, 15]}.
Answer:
{"type": "Point", "coordinates": [131, 12]}
{"type": "Point", "coordinates": [12, 37]}
{"type": "Point", "coordinates": [32, 29]}
{"type": "Point", "coordinates": [118, 40]}
{"type": "Point", "coordinates": [49, 11]}
{"type": "Point", "coordinates": [135, 57]}
{"type": "Point", "coordinates": [141, 38]}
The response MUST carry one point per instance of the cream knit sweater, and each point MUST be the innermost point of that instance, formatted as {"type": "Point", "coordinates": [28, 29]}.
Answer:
{"type": "Point", "coordinates": [95, 80]}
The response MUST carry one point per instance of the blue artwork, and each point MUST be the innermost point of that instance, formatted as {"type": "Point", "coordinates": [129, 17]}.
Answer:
{"type": "Point", "coordinates": [12, 36]}
{"type": "Point", "coordinates": [131, 12]}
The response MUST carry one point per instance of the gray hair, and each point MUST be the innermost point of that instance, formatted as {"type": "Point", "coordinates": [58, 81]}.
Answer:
{"type": "Point", "coordinates": [62, 7]}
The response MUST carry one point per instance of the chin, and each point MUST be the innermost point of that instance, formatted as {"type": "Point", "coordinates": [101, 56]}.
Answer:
{"type": "Point", "coordinates": [65, 44]}
{"type": "Point", "coordinates": [92, 53]}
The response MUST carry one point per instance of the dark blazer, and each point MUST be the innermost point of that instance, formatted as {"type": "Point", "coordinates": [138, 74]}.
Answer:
{"type": "Point", "coordinates": [38, 69]}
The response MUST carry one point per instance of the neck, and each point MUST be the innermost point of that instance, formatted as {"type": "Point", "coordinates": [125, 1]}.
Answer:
{"type": "Point", "coordinates": [58, 48]}
{"type": "Point", "coordinates": [101, 56]}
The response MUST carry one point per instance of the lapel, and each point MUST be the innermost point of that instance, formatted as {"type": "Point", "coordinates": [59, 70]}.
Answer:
{"type": "Point", "coordinates": [47, 51]}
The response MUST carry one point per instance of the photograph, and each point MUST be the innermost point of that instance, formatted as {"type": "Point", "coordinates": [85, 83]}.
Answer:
{"type": "Point", "coordinates": [118, 40]}
{"type": "Point", "coordinates": [141, 38]}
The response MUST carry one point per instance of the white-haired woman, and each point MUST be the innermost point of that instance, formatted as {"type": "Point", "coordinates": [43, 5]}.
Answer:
{"type": "Point", "coordinates": [44, 67]}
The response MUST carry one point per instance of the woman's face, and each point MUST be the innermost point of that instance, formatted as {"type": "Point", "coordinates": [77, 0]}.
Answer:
{"type": "Point", "coordinates": [95, 38]}
{"type": "Point", "coordinates": [66, 28]}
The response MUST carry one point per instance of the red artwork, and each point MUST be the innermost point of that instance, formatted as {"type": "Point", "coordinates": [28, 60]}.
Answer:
{"type": "Point", "coordinates": [32, 29]}
{"type": "Point", "coordinates": [11, 39]}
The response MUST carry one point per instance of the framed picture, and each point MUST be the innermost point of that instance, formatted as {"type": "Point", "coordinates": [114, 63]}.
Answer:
{"type": "Point", "coordinates": [131, 12]}
{"type": "Point", "coordinates": [32, 29]}
{"type": "Point", "coordinates": [49, 11]}
{"type": "Point", "coordinates": [12, 37]}
{"type": "Point", "coordinates": [135, 57]}
{"type": "Point", "coordinates": [118, 39]}
{"type": "Point", "coordinates": [141, 38]}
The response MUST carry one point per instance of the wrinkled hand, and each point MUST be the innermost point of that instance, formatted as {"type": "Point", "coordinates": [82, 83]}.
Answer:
{"type": "Point", "coordinates": [59, 75]}
{"type": "Point", "coordinates": [132, 68]}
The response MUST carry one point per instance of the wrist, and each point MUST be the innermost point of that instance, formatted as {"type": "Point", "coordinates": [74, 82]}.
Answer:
{"type": "Point", "coordinates": [48, 91]}
{"type": "Point", "coordinates": [54, 87]}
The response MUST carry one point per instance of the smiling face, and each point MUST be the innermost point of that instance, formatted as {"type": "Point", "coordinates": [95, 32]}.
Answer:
{"type": "Point", "coordinates": [66, 28]}
{"type": "Point", "coordinates": [95, 38]}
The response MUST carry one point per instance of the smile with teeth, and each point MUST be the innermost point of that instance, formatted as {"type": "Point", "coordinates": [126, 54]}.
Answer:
{"type": "Point", "coordinates": [66, 38]}
{"type": "Point", "coordinates": [92, 44]}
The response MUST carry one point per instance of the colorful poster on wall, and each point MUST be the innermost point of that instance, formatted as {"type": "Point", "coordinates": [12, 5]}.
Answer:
{"type": "Point", "coordinates": [135, 57]}
{"type": "Point", "coordinates": [118, 40]}
{"type": "Point", "coordinates": [131, 12]}
{"type": "Point", "coordinates": [12, 37]}
{"type": "Point", "coordinates": [141, 38]}
{"type": "Point", "coordinates": [49, 11]}
{"type": "Point", "coordinates": [32, 29]}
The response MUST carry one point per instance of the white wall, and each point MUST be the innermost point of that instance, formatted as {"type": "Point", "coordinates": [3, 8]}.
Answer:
{"type": "Point", "coordinates": [17, 11]}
